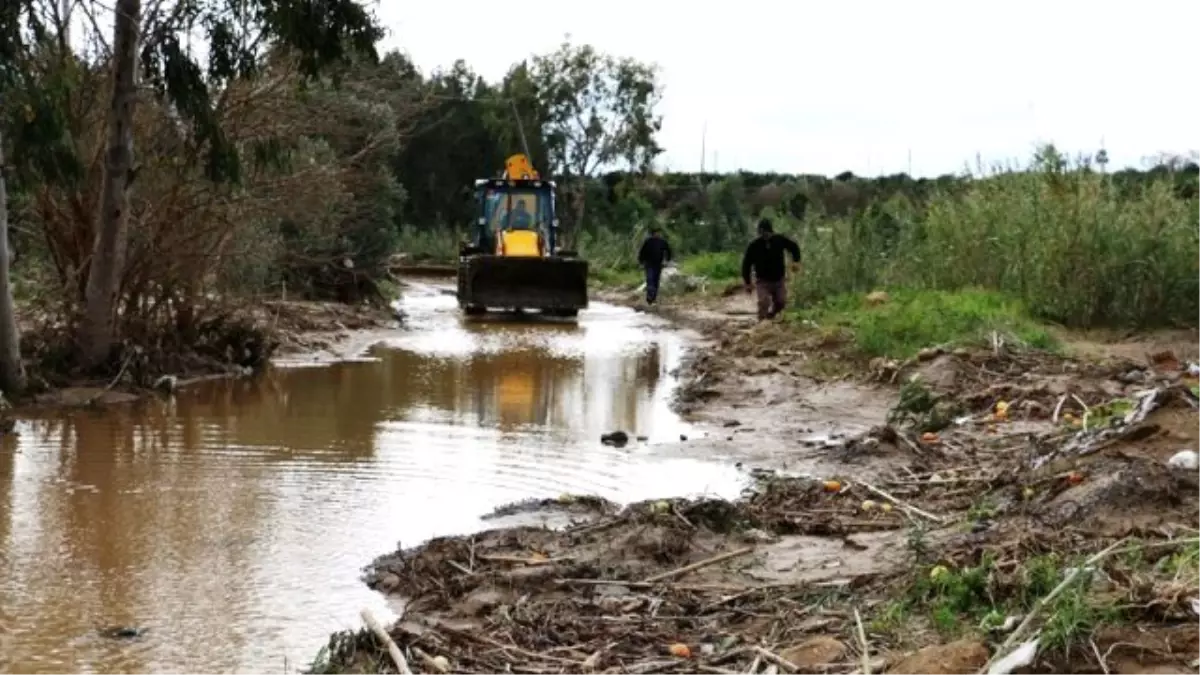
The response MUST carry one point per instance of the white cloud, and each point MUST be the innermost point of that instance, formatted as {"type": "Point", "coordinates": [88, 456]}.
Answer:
{"type": "Point", "coordinates": [809, 86]}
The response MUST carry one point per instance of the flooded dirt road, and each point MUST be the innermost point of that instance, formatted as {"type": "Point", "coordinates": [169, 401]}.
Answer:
{"type": "Point", "coordinates": [231, 522]}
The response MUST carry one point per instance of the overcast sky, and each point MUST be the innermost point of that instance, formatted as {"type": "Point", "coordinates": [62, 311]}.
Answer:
{"type": "Point", "coordinates": [823, 87]}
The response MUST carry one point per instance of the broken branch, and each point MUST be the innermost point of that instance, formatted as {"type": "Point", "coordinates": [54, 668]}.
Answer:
{"type": "Point", "coordinates": [699, 565]}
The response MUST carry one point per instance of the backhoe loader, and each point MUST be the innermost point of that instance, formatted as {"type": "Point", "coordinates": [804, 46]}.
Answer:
{"type": "Point", "coordinates": [512, 261]}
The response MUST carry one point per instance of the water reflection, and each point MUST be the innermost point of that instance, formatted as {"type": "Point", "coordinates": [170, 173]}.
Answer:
{"type": "Point", "coordinates": [233, 519]}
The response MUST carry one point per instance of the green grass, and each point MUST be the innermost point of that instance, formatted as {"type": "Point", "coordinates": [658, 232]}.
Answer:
{"type": "Point", "coordinates": [611, 277]}
{"type": "Point", "coordinates": [609, 272]}
{"type": "Point", "coordinates": [429, 245]}
{"type": "Point", "coordinates": [725, 266]}
{"type": "Point", "coordinates": [721, 268]}
{"type": "Point", "coordinates": [976, 598]}
{"type": "Point", "coordinates": [912, 320]}
{"type": "Point", "coordinates": [968, 599]}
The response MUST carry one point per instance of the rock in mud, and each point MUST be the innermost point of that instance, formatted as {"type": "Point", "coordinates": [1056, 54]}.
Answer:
{"type": "Point", "coordinates": [387, 582]}
{"type": "Point", "coordinates": [961, 656]}
{"type": "Point", "coordinates": [615, 438]}
{"type": "Point", "coordinates": [942, 372]}
{"type": "Point", "coordinates": [814, 653]}
{"type": "Point", "coordinates": [1134, 376]}
{"type": "Point", "coordinates": [1184, 459]}
{"type": "Point", "coordinates": [929, 354]}
{"type": "Point", "coordinates": [674, 281]}
{"type": "Point", "coordinates": [122, 632]}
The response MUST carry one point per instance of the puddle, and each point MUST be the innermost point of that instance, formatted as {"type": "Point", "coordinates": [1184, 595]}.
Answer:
{"type": "Point", "coordinates": [233, 521]}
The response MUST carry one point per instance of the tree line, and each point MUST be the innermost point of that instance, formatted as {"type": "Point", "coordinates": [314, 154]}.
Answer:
{"type": "Point", "coordinates": [147, 188]}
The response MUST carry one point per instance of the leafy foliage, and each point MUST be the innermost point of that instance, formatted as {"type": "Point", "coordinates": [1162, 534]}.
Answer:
{"type": "Point", "coordinates": [238, 35]}
{"type": "Point", "coordinates": [598, 110]}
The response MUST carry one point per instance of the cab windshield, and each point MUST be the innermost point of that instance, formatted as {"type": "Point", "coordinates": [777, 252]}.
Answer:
{"type": "Point", "coordinates": [517, 210]}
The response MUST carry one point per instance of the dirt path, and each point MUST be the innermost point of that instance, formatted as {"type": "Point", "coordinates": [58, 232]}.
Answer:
{"type": "Point", "coordinates": [931, 514]}
{"type": "Point", "coordinates": [766, 396]}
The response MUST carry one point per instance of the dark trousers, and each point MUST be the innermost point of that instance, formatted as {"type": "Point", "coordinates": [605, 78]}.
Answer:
{"type": "Point", "coordinates": [772, 297]}
{"type": "Point", "coordinates": [653, 276]}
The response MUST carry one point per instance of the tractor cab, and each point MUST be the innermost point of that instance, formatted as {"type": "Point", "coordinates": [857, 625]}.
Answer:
{"type": "Point", "coordinates": [515, 218]}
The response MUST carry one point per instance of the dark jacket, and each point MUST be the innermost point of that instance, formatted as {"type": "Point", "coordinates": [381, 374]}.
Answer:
{"type": "Point", "coordinates": [765, 256]}
{"type": "Point", "coordinates": [655, 252]}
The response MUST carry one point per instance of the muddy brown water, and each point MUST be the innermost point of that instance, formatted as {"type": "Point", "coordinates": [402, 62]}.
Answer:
{"type": "Point", "coordinates": [231, 523]}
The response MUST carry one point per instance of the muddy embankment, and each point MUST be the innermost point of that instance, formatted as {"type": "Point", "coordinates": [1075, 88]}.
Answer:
{"type": "Point", "coordinates": [1001, 502]}
{"type": "Point", "coordinates": [275, 330]}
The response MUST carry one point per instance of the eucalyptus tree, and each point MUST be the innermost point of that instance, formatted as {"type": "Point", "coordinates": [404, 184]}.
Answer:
{"type": "Point", "coordinates": [158, 42]}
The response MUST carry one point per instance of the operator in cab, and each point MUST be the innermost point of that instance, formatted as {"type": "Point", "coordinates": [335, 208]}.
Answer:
{"type": "Point", "coordinates": [520, 237]}
{"type": "Point", "coordinates": [520, 218]}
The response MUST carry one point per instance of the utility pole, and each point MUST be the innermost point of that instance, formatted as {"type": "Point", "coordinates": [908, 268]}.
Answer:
{"type": "Point", "coordinates": [520, 129]}
{"type": "Point", "coordinates": [703, 152]}
{"type": "Point", "coordinates": [67, 6]}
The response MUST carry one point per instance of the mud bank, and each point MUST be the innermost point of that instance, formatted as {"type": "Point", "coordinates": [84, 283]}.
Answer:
{"type": "Point", "coordinates": [322, 331]}
{"type": "Point", "coordinates": [290, 331]}
{"type": "Point", "coordinates": [1002, 497]}
{"type": "Point", "coordinates": [772, 399]}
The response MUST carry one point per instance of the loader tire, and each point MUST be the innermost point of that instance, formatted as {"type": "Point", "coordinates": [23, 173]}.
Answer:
{"type": "Point", "coordinates": [473, 310]}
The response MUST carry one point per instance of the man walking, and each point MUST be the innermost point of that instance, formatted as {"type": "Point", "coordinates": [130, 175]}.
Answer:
{"type": "Point", "coordinates": [764, 256]}
{"type": "Point", "coordinates": [655, 253]}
